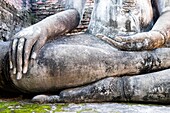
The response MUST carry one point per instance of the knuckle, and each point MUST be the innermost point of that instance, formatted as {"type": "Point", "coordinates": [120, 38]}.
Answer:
{"type": "Point", "coordinates": [30, 41]}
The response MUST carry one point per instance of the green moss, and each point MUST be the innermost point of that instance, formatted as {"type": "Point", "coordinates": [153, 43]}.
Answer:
{"type": "Point", "coordinates": [5, 106]}
{"type": "Point", "coordinates": [17, 107]}
{"type": "Point", "coordinates": [23, 107]}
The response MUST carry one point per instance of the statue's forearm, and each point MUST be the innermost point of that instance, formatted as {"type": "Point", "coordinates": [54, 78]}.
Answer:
{"type": "Point", "coordinates": [59, 23]}
{"type": "Point", "coordinates": [163, 25]}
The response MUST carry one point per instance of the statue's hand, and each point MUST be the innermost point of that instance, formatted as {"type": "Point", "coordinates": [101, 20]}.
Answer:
{"type": "Point", "coordinates": [25, 46]}
{"type": "Point", "coordinates": [140, 41]}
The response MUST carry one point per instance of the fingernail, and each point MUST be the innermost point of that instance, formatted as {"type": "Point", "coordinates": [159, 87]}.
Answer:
{"type": "Point", "coordinates": [10, 64]}
{"type": "Point", "coordinates": [14, 71]}
{"type": "Point", "coordinates": [19, 75]}
{"type": "Point", "coordinates": [25, 70]}
{"type": "Point", "coordinates": [34, 55]}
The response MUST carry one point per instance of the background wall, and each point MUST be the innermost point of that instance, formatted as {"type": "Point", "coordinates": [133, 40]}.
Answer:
{"type": "Point", "coordinates": [19, 4]}
{"type": "Point", "coordinates": [44, 8]}
{"type": "Point", "coordinates": [14, 16]}
{"type": "Point", "coordinates": [18, 14]}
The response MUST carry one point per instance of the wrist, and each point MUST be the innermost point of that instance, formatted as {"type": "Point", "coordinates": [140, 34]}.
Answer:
{"type": "Point", "coordinates": [40, 29]}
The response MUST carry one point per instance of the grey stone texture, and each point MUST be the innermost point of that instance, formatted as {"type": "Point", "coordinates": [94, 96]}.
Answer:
{"type": "Point", "coordinates": [115, 108]}
{"type": "Point", "coordinates": [12, 20]}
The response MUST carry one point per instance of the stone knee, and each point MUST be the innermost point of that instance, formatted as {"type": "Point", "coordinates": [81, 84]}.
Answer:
{"type": "Point", "coordinates": [152, 87]}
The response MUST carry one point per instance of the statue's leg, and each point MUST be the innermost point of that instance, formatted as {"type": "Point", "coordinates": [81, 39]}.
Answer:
{"type": "Point", "coordinates": [4, 80]}
{"type": "Point", "coordinates": [153, 87]}
{"type": "Point", "coordinates": [80, 60]}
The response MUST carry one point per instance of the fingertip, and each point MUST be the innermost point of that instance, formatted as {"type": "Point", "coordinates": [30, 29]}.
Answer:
{"type": "Point", "coordinates": [25, 69]}
{"type": "Point", "coordinates": [10, 64]}
{"type": "Point", "coordinates": [14, 71]}
{"type": "Point", "coordinates": [34, 55]}
{"type": "Point", "coordinates": [19, 75]}
{"type": "Point", "coordinates": [13, 60]}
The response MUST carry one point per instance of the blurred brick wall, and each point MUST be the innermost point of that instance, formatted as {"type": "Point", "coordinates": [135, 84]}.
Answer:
{"type": "Point", "coordinates": [18, 14]}
{"type": "Point", "coordinates": [44, 8]}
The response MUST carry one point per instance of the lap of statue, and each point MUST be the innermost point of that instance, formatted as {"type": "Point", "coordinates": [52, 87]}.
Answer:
{"type": "Point", "coordinates": [74, 61]}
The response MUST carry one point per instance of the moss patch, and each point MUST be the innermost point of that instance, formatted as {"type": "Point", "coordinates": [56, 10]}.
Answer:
{"type": "Point", "coordinates": [22, 107]}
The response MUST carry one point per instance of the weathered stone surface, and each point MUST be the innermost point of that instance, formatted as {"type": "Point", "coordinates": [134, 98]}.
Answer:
{"type": "Point", "coordinates": [106, 67]}
{"type": "Point", "coordinates": [57, 67]}
{"type": "Point", "coordinates": [12, 19]}
{"type": "Point", "coordinates": [115, 108]}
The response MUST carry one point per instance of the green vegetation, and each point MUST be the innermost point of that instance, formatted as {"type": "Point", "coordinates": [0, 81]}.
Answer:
{"type": "Point", "coordinates": [22, 107]}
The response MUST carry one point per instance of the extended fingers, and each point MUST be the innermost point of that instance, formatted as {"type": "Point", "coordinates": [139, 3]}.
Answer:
{"type": "Point", "coordinates": [139, 41]}
{"type": "Point", "coordinates": [147, 40]}
{"type": "Point", "coordinates": [31, 50]}
{"type": "Point", "coordinates": [134, 42]}
{"type": "Point", "coordinates": [13, 56]}
{"type": "Point", "coordinates": [19, 57]}
{"type": "Point", "coordinates": [119, 44]}
{"type": "Point", "coordinates": [22, 45]}
{"type": "Point", "coordinates": [27, 52]}
{"type": "Point", "coordinates": [139, 37]}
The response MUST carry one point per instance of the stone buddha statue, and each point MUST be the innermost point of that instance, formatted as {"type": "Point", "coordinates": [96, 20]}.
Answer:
{"type": "Point", "coordinates": [115, 60]}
